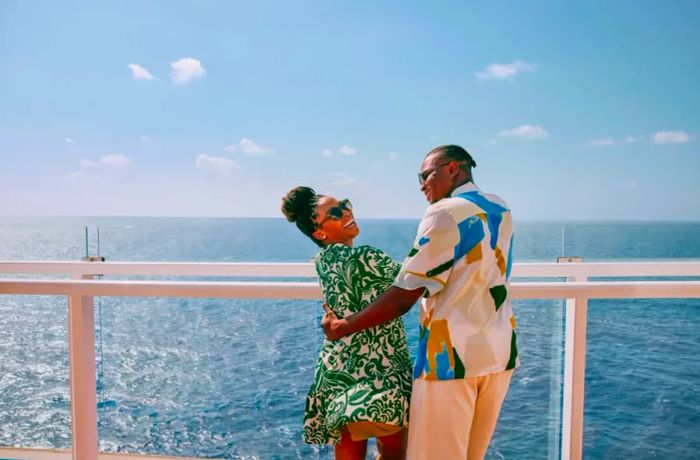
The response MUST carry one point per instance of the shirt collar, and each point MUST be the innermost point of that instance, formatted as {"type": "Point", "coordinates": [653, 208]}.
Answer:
{"type": "Point", "coordinates": [464, 188]}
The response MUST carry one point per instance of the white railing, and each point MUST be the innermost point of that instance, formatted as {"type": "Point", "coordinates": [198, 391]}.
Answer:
{"type": "Point", "coordinates": [82, 289]}
{"type": "Point", "coordinates": [306, 270]}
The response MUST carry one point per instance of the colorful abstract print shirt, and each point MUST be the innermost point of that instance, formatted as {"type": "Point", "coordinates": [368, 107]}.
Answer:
{"type": "Point", "coordinates": [462, 257]}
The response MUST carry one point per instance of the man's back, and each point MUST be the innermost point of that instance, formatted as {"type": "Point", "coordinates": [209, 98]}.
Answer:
{"type": "Point", "coordinates": [462, 255]}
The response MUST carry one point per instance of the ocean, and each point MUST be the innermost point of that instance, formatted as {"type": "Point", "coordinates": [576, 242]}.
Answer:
{"type": "Point", "coordinates": [227, 378]}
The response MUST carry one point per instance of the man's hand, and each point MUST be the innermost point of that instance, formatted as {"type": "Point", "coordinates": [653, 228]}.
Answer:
{"type": "Point", "coordinates": [388, 306]}
{"type": "Point", "coordinates": [332, 326]}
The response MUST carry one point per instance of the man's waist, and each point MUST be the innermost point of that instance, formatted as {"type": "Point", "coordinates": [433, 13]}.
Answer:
{"type": "Point", "coordinates": [477, 313]}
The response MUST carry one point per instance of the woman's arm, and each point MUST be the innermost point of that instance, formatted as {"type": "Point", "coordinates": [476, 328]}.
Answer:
{"type": "Point", "coordinates": [335, 269]}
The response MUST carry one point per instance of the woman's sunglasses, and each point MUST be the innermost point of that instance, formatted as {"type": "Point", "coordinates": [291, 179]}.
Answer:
{"type": "Point", "coordinates": [336, 212]}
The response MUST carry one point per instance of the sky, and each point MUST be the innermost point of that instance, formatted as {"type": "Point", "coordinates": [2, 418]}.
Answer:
{"type": "Point", "coordinates": [572, 111]}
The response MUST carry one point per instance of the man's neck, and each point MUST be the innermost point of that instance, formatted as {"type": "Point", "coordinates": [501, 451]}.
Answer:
{"type": "Point", "coordinates": [458, 184]}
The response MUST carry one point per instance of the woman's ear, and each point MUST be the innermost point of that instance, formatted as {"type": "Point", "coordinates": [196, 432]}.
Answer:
{"type": "Point", "coordinates": [319, 235]}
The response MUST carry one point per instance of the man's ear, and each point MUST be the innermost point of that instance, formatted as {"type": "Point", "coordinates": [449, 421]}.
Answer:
{"type": "Point", "coordinates": [458, 171]}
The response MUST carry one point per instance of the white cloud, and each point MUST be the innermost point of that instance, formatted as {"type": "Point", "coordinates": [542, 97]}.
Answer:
{"type": "Point", "coordinates": [341, 179]}
{"type": "Point", "coordinates": [186, 69]}
{"type": "Point", "coordinates": [220, 165]}
{"type": "Point", "coordinates": [248, 147]}
{"type": "Point", "coordinates": [495, 71]}
{"type": "Point", "coordinates": [68, 140]}
{"type": "Point", "coordinates": [139, 73]}
{"type": "Point", "coordinates": [493, 141]}
{"type": "Point", "coordinates": [527, 132]}
{"type": "Point", "coordinates": [347, 150]}
{"type": "Point", "coordinates": [608, 141]}
{"type": "Point", "coordinates": [75, 175]}
{"type": "Point", "coordinates": [394, 156]}
{"type": "Point", "coordinates": [146, 138]}
{"type": "Point", "coordinates": [87, 163]}
{"type": "Point", "coordinates": [671, 137]}
{"type": "Point", "coordinates": [605, 142]}
{"type": "Point", "coordinates": [344, 150]}
{"type": "Point", "coordinates": [116, 160]}
{"type": "Point", "coordinates": [345, 181]}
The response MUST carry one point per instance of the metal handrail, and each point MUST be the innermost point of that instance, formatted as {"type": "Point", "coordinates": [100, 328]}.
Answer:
{"type": "Point", "coordinates": [306, 269]}
{"type": "Point", "coordinates": [311, 290]}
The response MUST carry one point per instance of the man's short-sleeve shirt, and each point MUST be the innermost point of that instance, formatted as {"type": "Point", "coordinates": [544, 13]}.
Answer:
{"type": "Point", "coordinates": [462, 257]}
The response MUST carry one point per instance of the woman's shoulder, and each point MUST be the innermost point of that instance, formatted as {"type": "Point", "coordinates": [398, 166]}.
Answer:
{"type": "Point", "coordinates": [337, 252]}
{"type": "Point", "coordinates": [333, 252]}
{"type": "Point", "coordinates": [369, 255]}
{"type": "Point", "coordinates": [371, 250]}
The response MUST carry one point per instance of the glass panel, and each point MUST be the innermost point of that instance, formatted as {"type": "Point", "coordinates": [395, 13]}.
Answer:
{"type": "Point", "coordinates": [642, 374]}
{"type": "Point", "coordinates": [34, 383]}
{"type": "Point", "coordinates": [539, 241]}
{"type": "Point", "coordinates": [530, 422]}
{"type": "Point", "coordinates": [206, 377]}
{"type": "Point", "coordinates": [228, 378]}
{"type": "Point", "coordinates": [632, 240]}
{"type": "Point", "coordinates": [642, 367]}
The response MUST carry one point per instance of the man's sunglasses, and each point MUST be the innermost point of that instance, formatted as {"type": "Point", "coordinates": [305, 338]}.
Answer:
{"type": "Point", "coordinates": [424, 175]}
{"type": "Point", "coordinates": [336, 212]}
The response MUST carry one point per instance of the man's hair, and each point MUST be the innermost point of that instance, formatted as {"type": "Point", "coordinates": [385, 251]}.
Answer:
{"type": "Point", "coordinates": [455, 153]}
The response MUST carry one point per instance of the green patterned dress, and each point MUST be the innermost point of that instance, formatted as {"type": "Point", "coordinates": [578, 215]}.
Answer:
{"type": "Point", "coordinates": [365, 377]}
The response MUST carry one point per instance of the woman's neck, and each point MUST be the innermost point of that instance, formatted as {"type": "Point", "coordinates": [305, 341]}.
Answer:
{"type": "Point", "coordinates": [344, 243]}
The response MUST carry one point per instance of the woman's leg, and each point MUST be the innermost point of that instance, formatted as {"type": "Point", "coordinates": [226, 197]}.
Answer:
{"type": "Point", "coordinates": [393, 447]}
{"type": "Point", "coordinates": [348, 449]}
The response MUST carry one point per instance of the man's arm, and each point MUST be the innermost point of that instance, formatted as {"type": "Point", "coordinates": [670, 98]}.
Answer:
{"type": "Point", "coordinates": [393, 303]}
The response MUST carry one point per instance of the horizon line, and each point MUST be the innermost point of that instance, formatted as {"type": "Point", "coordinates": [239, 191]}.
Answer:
{"type": "Point", "coordinates": [136, 216]}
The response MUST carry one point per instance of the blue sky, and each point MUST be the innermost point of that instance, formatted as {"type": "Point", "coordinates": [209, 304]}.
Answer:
{"type": "Point", "coordinates": [572, 111]}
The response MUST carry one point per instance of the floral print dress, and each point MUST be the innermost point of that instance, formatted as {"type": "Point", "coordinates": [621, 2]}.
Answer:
{"type": "Point", "coordinates": [364, 377]}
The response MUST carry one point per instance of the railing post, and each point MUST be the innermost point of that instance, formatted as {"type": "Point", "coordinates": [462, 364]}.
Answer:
{"type": "Point", "coordinates": [574, 371]}
{"type": "Point", "coordinates": [83, 396]}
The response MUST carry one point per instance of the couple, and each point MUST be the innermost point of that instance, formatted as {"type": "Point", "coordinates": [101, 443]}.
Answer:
{"type": "Point", "coordinates": [460, 265]}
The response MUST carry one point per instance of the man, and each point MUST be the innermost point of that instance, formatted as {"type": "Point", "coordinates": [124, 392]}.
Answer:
{"type": "Point", "coordinates": [460, 263]}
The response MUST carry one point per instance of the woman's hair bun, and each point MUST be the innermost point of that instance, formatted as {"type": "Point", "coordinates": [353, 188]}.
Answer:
{"type": "Point", "coordinates": [299, 203]}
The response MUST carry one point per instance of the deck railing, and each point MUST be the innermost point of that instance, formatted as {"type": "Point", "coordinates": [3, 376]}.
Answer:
{"type": "Point", "coordinates": [570, 280]}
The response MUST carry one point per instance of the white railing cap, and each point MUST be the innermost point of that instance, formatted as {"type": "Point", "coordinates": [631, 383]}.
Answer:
{"type": "Point", "coordinates": [311, 290]}
{"type": "Point", "coordinates": [306, 269]}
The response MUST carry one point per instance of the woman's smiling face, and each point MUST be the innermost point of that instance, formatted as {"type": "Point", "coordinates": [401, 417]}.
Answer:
{"type": "Point", "coordinates": [335, 222]}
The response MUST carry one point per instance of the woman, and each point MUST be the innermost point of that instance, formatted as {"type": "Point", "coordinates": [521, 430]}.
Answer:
{"type": "Point", "coordinates": [362, 383]}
